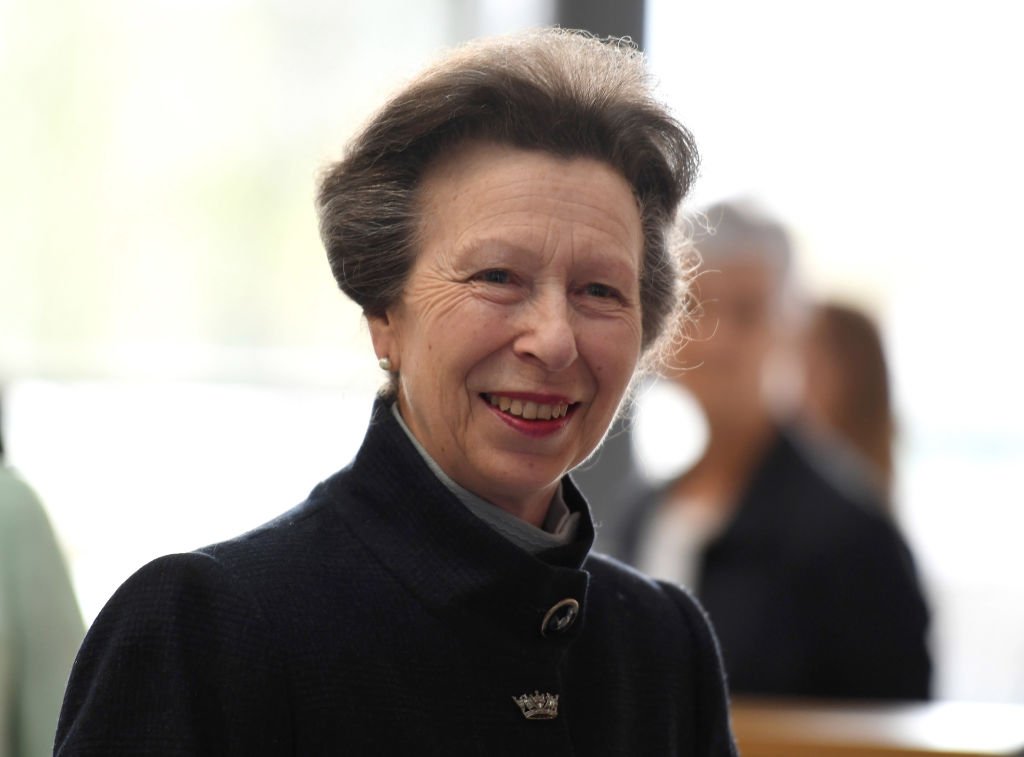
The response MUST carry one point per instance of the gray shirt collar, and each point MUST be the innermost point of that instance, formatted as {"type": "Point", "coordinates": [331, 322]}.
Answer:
{"type": "Point", "coordinates": [559, 526]}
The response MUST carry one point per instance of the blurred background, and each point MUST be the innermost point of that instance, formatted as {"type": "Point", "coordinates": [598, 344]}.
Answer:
{"type": "Point", "coordinates": [178, 366]}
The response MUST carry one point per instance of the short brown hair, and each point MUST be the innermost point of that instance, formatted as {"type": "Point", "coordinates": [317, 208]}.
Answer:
{"type": "Point", "coordinates": [563, 92]}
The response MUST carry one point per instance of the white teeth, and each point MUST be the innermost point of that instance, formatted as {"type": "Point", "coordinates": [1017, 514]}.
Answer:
{"type": "Point", "coordinates": [527, 409]}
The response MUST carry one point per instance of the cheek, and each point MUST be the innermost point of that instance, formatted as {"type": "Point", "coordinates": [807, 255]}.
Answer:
{"type": "Point", "coordinates": [613, 359]}
{"type": "Point", "coordinates": [462, 344]}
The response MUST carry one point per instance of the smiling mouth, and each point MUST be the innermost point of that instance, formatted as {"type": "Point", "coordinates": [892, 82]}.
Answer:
{"type": "Point", "coordinates": [527, 409]}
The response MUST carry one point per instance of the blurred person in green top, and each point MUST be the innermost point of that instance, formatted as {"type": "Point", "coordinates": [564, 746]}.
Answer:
{"type": "Point", "coordinates": [40, 624]}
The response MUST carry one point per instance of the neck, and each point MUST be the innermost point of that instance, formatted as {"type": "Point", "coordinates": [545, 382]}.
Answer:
{"type": "Point", "coordinates": [533, 509]}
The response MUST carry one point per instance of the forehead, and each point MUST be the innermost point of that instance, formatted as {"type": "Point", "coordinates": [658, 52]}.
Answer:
{"type": "Point", "coordinates": [485, 189]}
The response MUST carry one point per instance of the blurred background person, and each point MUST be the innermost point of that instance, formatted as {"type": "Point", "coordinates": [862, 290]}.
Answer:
{"type": "Point", "coordinates": [811, 588]}
{"type": "Point", "coordinates": [846, 396]}
{"type": "Point", "coordinates": [40, 624]}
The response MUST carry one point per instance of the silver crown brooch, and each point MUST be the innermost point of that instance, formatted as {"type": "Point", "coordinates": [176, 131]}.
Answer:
{"type": "Point", "coordinates": [537, 706]}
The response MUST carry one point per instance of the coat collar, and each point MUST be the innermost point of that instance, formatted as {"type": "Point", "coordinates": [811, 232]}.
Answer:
{"type": "Point", "coordinates": [450, 559]}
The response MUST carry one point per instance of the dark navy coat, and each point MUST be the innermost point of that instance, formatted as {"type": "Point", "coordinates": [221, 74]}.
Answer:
{"type": "Point", "coordinates": [381, 617]}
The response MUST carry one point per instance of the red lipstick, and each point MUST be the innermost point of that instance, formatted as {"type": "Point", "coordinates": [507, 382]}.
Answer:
{"type": "Point", "coordinates": [537, 427]}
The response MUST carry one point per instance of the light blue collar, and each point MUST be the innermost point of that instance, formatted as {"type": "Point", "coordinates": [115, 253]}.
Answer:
{"type": "Point", "coordinates": [560, 525]}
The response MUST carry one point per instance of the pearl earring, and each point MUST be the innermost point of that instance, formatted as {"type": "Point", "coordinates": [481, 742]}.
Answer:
{"type": "Point", "coordinates": [384, 363]}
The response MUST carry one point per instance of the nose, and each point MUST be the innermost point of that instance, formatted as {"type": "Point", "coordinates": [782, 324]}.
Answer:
{"type": "Point", "coordinates": [547, 336]}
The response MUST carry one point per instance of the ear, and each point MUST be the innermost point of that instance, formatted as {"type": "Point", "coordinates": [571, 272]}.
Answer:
{"type": "Point", "coordinates": [384, 336]}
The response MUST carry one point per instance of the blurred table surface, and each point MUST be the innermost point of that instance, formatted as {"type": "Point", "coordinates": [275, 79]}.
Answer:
{"type": "Point", "coordinates": [782, 728]}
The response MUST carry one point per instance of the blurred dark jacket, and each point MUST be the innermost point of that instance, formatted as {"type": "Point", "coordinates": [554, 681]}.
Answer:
{"type": "Point", "coordinates": [810, 587]}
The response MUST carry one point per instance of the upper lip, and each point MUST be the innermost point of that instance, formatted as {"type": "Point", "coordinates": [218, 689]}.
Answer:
{"type": "Point", "coordinates": [541, 398]}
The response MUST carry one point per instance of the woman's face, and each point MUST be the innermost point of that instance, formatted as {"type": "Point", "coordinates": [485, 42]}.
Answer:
{"type": "Point", "coordinates": [724, 364]}
{"type": "Point", "coordinates": [520, 325]}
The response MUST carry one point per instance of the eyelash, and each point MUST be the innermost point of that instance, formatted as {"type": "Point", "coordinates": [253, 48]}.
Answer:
{"type": "Point", "coordinates": [501, 276]}
{"type": "Point", "coordinates": [606, 291]}
{"type": "Point", "coordinates": [488, 276]}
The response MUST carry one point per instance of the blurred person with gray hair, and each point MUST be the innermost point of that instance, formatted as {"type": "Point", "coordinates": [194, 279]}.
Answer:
{"type": "Point", "coordinates": [810, 586]}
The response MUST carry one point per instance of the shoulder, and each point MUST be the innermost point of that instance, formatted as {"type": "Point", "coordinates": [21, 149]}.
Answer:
{"type": "Point", "coordinates": [236, 585]}
{"type": "Point", "coordinates": [176, 599]}
{"type": "Point", "coordinates": [614, 574]}
{"type": "Point", "coordinates": [291, 542]}
{"type": "Point", "coordinates": [230, 588]}
{"type": "Point", "coordinates": [198, 648]}
{"type": "Point", "coordinates": [806, 500]}
{"type": "Point", "coordinates": [179, 657]}
{"type": "Point", "coordinates": [841, 534]}
{"type": "Point", "coordinates": [179, 610]}
{"type": "Point", "coordinates": [645, 599]}
{"type": "Point", "coordinates": [662, 636]}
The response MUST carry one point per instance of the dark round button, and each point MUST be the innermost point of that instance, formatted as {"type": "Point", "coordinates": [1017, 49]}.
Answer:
{"type": "Point", "coordinates": [560, 617]}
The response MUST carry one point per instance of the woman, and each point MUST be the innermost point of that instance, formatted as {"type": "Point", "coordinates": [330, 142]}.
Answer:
{"type": "Point", "coordinates": [813, 592]}
{"type": "Point", "coordinates": [502, 223]}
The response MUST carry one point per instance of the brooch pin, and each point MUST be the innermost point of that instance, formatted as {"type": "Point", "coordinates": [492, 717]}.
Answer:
{"type": "Point", "coordinates": [537, 706]}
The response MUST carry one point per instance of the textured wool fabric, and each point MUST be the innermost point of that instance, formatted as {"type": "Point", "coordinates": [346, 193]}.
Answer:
{"type": "Point", "coordinates": [381, 617]}
{"type": "Point", "coordinates": [812, 590]}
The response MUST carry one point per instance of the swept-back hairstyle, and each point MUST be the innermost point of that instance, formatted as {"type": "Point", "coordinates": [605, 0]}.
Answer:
{"type": "Point", "coordinates": [563, 92]}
